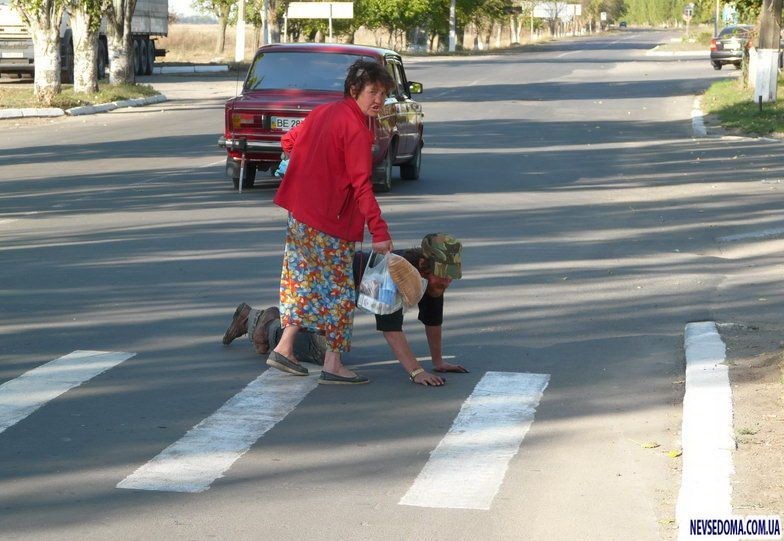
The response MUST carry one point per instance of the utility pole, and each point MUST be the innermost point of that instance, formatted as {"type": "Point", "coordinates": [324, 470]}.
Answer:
{"type": "Point", "coordinates": [716, 20]}
{"type": "Point", "coordinates": [768, 51]}
{"type": "Point", "coordinates": [265, 36]}
{"type": "Point", "coordinates": [239, 48]}
{"type": "Point", "coordinates": [452, 33]}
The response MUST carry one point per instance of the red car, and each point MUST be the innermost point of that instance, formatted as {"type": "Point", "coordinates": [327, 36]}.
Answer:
{"type": "Point", "coordinates": [286, 81]}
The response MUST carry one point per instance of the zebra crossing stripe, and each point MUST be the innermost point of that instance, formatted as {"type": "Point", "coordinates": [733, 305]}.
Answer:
{"type": "Point", "coordinates": [467, 467]}
{"type": "Point", "coordinates": [706, 437]}
{"type": "Point", "coordinates": [23, 395]}
{"type": "Point", "coordinates": [207, 450]}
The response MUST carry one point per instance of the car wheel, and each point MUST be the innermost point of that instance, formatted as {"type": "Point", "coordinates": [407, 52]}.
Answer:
{"type": "Point", "coordinates": [738, 65]}
{"type": "Point", "coordinates": [410, 170]}
{"type": "Point", "coordinates": [716, 65]}
{"type": "Point", "coordinates": [382, 183]}
{"type": "Point", "coordinates": [249, 178]}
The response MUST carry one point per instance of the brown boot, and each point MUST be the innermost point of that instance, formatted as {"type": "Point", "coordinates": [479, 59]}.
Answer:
{"type": "Point", "coordinates": [260, 337]}
{"type": "Point", "coordinates": [239, 324]}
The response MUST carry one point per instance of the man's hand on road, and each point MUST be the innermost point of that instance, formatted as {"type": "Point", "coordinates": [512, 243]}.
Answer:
{"type": "Point", "coordinates": [427, 379]}
{"type": "Point", "coordinates": [448, 367]}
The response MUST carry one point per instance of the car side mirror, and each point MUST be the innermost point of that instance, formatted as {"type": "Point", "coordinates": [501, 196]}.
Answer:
{"type": "Point", "coordinates": [414, 87]}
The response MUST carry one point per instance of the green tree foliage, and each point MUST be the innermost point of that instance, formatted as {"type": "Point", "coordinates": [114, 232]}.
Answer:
{"type": "Point", "coordinates": [748, 10]}
{"type": "Point", "coordinates": [655, 12]}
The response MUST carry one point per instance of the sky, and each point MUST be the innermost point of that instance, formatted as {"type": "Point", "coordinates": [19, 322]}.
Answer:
{"type": "Point", "coordinates": [183, 7]}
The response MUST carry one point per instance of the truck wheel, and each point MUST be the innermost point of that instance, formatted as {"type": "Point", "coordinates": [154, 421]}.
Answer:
{"type": "Point", "coordinates": [67, 60]}
{"type": "Point", "coordinates": [150, 56]}
{"type": "Point", "coordinates": [102, 60]}
{"type": "Point", "coordinates": [136, 62]}
{"type": "Point", "coordinates": [716, 65]}
{"type": "Point", "coordinates": [248, 181]}
{"type": "Point", "coordinates": [143, 43]}
{"type": "Point", "coordinates": [410, 170]}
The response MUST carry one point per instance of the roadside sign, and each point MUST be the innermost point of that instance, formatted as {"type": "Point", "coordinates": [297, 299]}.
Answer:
{"type": "Point", "coordinates": [320, 10]}
{"type": "Point", "coordinates": [317, 10]}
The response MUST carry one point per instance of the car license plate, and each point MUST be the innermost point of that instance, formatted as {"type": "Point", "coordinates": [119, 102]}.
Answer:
{"type": "Point", "coordinates": [283, 123]}
{"type": "Point", "coordinates": [12, 54]}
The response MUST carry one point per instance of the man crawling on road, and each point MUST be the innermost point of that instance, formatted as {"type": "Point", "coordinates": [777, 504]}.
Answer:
{"type": "Point", "coordinates": [438, 261]}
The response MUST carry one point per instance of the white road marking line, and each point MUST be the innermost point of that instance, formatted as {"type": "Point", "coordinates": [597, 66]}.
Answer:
{"type": "Point", "coordinates": [212, 164]}
{"type": "Point", "coordinates": [8, 220]}
{"type": "Point", "coordinates": [208, 449]}
{"type": "Point", "coordinates": [395, 362]}
{"type": "Point", "coordinates": [21, 396]}
{"type": "Point", "coordinates": [764, 234]}
{"type": "Point", "coordinates": [467, 467]}
{"type": "Point", "coordinates": [707, 429]}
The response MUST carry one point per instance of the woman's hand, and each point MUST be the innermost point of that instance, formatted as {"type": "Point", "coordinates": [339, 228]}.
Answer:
{"type": "Point", "coordinates": [382, 247]}
{"type": "Point", "coordinates": [427, 379]}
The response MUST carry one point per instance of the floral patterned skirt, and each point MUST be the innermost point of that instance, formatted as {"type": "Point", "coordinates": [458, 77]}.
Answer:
{"type": "Point", "coordinates": [317, 285]}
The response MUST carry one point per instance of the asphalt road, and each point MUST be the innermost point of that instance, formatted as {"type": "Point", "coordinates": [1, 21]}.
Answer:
{"type": "Point", "coordinates": [594, 228]}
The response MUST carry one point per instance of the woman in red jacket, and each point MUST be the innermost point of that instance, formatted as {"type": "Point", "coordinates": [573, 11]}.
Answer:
{"type": "Point", "coordinates": [328, 192]}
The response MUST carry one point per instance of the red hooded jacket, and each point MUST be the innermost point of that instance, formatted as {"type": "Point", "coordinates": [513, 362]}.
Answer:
{"type": "Point", "coordinates": [327, 182]}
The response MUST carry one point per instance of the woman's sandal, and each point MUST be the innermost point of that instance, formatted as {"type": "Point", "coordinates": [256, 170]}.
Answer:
{"type": "Point", "coordinates": [281, 362]}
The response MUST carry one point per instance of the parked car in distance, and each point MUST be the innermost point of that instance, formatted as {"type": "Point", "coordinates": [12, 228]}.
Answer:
{"type": "Point", "coordinates": [622, 24]}
{"type": "Point", "coordinates": [287, 81]}
{"type": "Point", "coordinates": [728, 46]}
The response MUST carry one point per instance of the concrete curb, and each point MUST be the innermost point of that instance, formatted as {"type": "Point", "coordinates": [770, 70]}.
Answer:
{"type": "Point", "coordinates": [694, 54]}
{"type": "Point", "coordinates": [105, 107]}
{"type": "Point", "coordinates": [27, 113]}
{"type": "Point", "coordinates": [82, 110]}
{"type": "Point", "coordinates": [190, 69]}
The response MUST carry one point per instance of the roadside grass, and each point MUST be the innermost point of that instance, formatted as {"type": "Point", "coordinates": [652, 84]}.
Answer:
{"type": "Point", "coordinates": [195, 44]}
{"type": "Point", "coordinates": [11, 97]}
{"type": "Point", "coordinates": [735, 108]}
{"type": "Point", "coordinates": [698, 39]}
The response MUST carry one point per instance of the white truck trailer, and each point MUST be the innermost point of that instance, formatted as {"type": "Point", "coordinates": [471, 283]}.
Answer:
{"type": "Point", "coordinates": [150, 20]}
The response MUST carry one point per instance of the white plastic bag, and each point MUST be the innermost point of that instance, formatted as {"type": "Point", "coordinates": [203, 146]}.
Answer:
{"type": "Point", "coordinates": [377, 292]}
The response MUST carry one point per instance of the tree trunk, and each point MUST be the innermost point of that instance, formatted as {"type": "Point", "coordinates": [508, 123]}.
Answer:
{"type": "Point", "coordinates": [120, 41]}
{"type": "Point", "coordinates": [272, 21]}
{"type": "Point", "coordinates": [120, 57]}
{"type": "Point", "coordinates": [85, 53]}
{"type": "Point", "coordinates": [46, 48]}
{"type": "Point", "coordinates": [256, 41]}
{"type": "Point", "coordinates": [220, 45]}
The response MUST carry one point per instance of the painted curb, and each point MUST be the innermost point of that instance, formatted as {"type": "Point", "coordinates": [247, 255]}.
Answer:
{"type": "Point", "coordinates": [689, 54]}
{"type": "Point", "coordinates": [82, 110]}
{"type": "Point", "coordinates": [706, 434]}
{"type": "Point", "coordinates": [190, 69]}
{"type": "Point", "coordinates": [27, 113]}
{"type": "Point", "coordinates": [698, 128]}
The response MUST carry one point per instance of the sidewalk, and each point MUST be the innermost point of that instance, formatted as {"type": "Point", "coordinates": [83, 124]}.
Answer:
{"type": "Point", "coordinates": [106, 107]}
